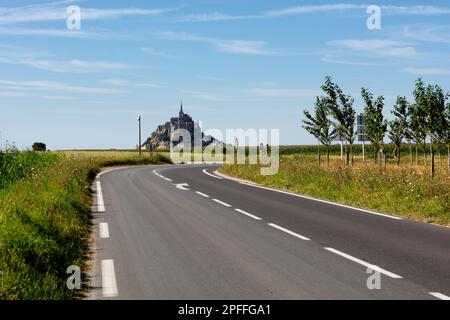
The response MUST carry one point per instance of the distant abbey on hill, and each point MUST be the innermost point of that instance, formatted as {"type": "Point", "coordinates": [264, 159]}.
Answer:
{"type": "Point", "coordinates": [160, 138]}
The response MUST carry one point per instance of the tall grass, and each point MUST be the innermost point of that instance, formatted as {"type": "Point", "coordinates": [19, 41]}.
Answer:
{"type": "Point", "coordinates": [45, 212]}
{"type": "Point", "coordinates": [400, 190]}
{"type": "Point", "coordinates": [15, 165]}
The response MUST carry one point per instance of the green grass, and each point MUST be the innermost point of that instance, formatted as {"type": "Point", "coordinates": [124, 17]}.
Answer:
{"type": "Point", "coordinates": [411, 194]}
{"type": "Point", "coordinates": [45, 211]}
{"type": "Point", "coordinates": [15, 165]}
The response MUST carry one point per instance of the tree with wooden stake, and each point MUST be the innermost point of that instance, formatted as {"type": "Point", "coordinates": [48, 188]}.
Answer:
{"type": "Point", "coordinates": [417, 127]}
{"type": "Point", "coordinates": [376, 125]}
{"type": "Point", "coordinates": [341, 108]}
{"type": "Point", "coordinates": [401, 126]}
{"type": "Point", "coordinates": [396, 134]}
{"type": "Point", "coordinates": [446, 134]}
{"type": "Point", "coordinates": [319, 126]}
{"type": "Point", "coordinates": [434, 106]}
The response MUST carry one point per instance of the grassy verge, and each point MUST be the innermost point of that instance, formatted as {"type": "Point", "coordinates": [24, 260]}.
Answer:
{"type": "Point", "coordinates": [412, 194]}
{"type": "Point", "coordinates": [45, 221]}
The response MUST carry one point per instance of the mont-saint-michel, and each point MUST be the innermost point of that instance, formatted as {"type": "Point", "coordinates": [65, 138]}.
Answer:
{"type": "Point", "coordinates": [160, 139]}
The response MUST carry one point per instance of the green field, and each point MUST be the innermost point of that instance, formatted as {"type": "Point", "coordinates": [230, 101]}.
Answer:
{"type": "Point", "coordinates": [45, 212]}
{"type": "Point", "coordinates": [401, 190]}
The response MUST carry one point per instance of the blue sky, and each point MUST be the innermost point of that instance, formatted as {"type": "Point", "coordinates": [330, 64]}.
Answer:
{"type": "Point", "coordinates": [236, 64]}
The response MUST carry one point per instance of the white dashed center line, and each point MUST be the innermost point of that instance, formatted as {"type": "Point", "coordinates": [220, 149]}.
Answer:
{"type": "Point", "coordinates": [440, 295]}
{"type": "Point", "coordinates": [292, 233]}
{"type": "Point", "coordinates": [222, 203]}
{"type": "Point", "coordinates": [248, 214]}
{"type": "Point", "coordinates": [202, 194]}
{"type": "Point", "coordinates": [366, 264]}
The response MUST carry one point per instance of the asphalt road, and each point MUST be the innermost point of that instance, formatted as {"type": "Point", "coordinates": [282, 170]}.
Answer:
{"type": "Point", "coordinates": [181, 232]}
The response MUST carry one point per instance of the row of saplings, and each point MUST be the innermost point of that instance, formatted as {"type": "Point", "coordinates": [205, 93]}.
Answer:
{"type": "Point", "coordinates": [424, 122]}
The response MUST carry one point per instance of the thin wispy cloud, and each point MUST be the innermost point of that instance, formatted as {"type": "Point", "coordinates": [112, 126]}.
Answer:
{"type": "Point", "coordinates": [436, 34]}
{"type": "Point", "coordinates": [249, 47]}
{"type": "Point", "coordinates": [126, 83]}
{"type": "Point", "coordinates": [208, 96]}
{"type": "Point", "coordinates": [48, 32]}
{"type": "Point", "coordinates": [159, 54]}
{"type": "Point", "coordinates": [54, 86]}
{"type": "Point", "coordinates": [57, 11]}
{"type": "Point", "coordinates": [377, 47]}
{"type": "Point", "coordinates": [283, 93]}
{"type": "Point", "coordinates": [427, 71]}
{"type": "Point", "coordinates": [314, 9]}
{"type": "Point", "coordinates": [46, 61]}
{"type": "Point", "coordinates": [13, 94]}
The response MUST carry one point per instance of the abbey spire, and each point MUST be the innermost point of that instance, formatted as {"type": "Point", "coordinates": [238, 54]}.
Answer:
{"type": "Point", "coordinates": [181, 108]}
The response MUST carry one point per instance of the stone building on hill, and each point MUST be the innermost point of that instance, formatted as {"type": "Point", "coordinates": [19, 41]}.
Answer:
{"type": "Point", "coordinates": [160, 138]}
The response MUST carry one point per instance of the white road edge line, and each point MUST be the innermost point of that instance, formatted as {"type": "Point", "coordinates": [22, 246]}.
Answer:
{"type": "Point", "coordinates": [323, 201]}
{"type": "Point", "coordinates": [366, 264]}
{"type": "Point", "coordinates": [109, 284]}
{"type": "Point", "coordinates": [248, 214]}
{"type": "Point", "coordinates": [439, 295]}
{"type": "Point", "coordinates": [100, 202]}
{"type": "Point", "coordinates": [106, 171]}
{"type": "Point", "coordinates": [202, 194]}
{"type": "Point", "coordinates": [273, 225]}
{"type": "Point", "coordinates": [222, 203]}
{"type": "Point", "coordinates": [211, 175]}
{"type": "Point", "coordinates": [103, 230]}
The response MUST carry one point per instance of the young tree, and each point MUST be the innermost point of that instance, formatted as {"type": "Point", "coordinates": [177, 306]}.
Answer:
{"type": "Point", "coordinates": [396, 134]}
{"type": "Point", "coordinates": [435, 118]}
{"type": "Point", "coordinates": [401, 113]}
{"type": "Point", "coordinates": [446, 134]}
{"type": "Point", "coordinates": [319, 125]}
{"type": "Point", "coordinates": [341, 108]}
{"type": "Point", "coordinates": [417, 127]}
{"type": "Point", "coordinates": [376, 125]}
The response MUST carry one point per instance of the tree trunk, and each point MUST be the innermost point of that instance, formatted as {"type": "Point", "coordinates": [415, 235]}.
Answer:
{"type": "Point", "coordinates": [398, 155]}
{"type": "Point", "coordinates": [328, 155]}
{"type": "Point", "coordinates": [318, 151]}
{"type": "Point", "coordinates": [347, 158]}
{"type": "Point", "coordinates": [417, 155]}
{"type": "Point", "coordinates": [410, 154]}
{"type": "Point", "coordinates": [425, 158]}
{"type": "Point", "coordinates": [448, 160]}
{"type": "Point", "coordinates": [351, 153]}
{"type": "Point", "coordinates": [432, 159]}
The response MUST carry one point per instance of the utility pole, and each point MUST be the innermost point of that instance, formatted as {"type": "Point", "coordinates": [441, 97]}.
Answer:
{"type": "Point", "coordinates": [139, 146]}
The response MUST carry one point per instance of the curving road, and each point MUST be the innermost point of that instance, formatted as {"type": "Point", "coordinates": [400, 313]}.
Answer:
{"type": "Point", "coordinates": [182, 232]}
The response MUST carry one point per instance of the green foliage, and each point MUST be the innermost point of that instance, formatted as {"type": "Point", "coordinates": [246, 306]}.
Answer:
{"type": "Point", "coordinates": [45, 211]}
{"type": "Point", "coordinates": [376, 125]}
{"type": "Point", "coordinates": [319, 125]}
{"type": "Point", "coordinates": [15, 165]}
{"type": "Point", "coordinates": [39, 146]}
